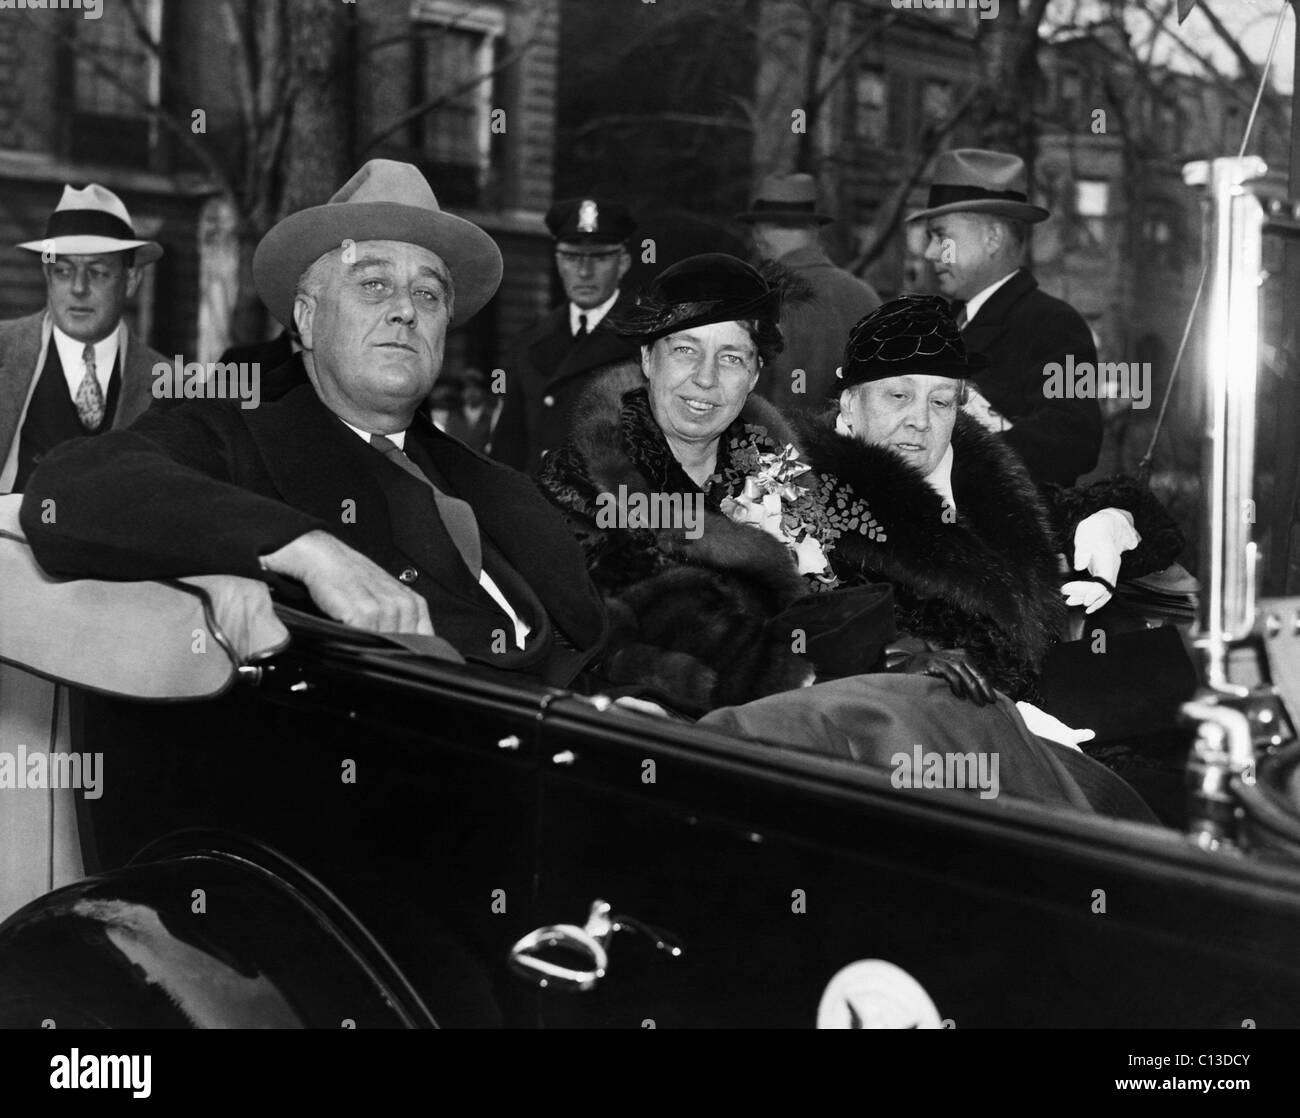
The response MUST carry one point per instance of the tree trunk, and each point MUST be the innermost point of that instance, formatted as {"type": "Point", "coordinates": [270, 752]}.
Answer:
{"type": "Point", "coordinates": [320, 150]}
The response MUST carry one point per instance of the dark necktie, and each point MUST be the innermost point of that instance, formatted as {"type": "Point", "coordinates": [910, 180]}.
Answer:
{"type": "Point", "coordinates": [581, 331]}
{"type": "Point", "coordinates": [959, 313]}
{"type": "Point", "coordinates": [89, 399]}
{"type": "Point", "coordinates": [457, 516]}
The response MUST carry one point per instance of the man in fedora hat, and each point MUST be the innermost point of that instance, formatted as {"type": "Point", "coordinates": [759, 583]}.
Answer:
{"type": "Point", "coordinates": [822, 301]}
{"type": "Point", "coordinates": [72, 369]}
{"type": "Point", "coordinates": [341, 487]}
{"type": "Point", "coordinates": [556, 359]}
{"type": "Point", "coordinates": [977, 220]}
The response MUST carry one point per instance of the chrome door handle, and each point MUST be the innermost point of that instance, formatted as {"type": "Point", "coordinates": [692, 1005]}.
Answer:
{"type": "Point", "coordinates": [525, 956]}
{"type": "Point", "coordinates": [525, 960]}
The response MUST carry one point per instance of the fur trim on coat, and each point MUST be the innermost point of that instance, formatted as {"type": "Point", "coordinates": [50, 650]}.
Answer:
{"type": "Point", "coordinates": [987, 581]}
{"type": "Point", "coordinates": [691, 614]}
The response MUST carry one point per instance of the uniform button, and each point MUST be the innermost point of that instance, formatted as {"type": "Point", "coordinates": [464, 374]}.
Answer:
{"type": "Point", "coordinates": [549, 401]}
{"type": "Point", "coordinates": [409, 574]}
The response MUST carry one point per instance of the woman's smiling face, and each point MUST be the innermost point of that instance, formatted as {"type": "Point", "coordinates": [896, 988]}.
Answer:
{"type": "Point", "coordinates": [699, 379]}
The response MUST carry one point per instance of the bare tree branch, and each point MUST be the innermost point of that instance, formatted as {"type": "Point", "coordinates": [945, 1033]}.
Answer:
{"type": "Point", "coordinates": [886, 226]}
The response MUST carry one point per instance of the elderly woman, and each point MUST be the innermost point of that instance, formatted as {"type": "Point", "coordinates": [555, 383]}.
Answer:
{"type": "Point", "coordinates": [971, 547]}
{"type": "Point", "coordinates": [700, 526]}
{"type": "Point", "coordinates": [713, 545]}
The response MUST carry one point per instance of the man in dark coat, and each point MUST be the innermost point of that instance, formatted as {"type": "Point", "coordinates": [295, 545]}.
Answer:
{"type": "Point", "coordinates": [977, 223]}
{"type": "Point", "coordinates": [556, 359]}
{"type": "Point", "coordinates": [73, 369]}
{"type": "Point", "coordinates": [784, 223]}
{"type": "Point", "coordinates": [340, 486]}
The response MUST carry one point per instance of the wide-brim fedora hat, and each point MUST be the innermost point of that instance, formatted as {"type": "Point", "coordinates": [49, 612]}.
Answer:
{"type": "Point", "coordinates": [384, 201]}
{"type": "Point", "coordinates": [785, 198]}
{"type": "Point", "coordinates": [89, 222]}
{"type": "Point", "coordinates": [913, 334]}
{"type": "Point", "coordinates": [972, 180]}
{"type": "Point", "coordinates": [700, 290]}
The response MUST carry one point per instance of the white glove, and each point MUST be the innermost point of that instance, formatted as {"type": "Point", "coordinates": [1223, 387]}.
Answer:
{"type": "Point", "coordinates": [1047, 726]}
{"type": "Point", "coordinates": [1100, 541]}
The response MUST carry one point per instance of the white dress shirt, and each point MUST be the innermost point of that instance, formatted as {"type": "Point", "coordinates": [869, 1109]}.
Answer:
{"type": "Point", "coordinates": [940, 478]}
{"type": "Point", "coordinates": [74, 367]}
{"type": "Point", "coordinates": [593, 316]}
{"type": "Point", "coordinates": [485, 580]}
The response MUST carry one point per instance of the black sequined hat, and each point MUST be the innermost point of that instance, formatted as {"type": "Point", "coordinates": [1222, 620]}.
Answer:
{"type": "Point", "coordinates": [911, 334]}
{"type": "Point", "coordinates": [711, 287]}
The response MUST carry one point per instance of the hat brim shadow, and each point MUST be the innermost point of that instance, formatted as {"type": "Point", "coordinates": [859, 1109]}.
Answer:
{"type": "Point", "coordinates": [291, 247]}
{"type": "Point", "coordinates": [1021, 211]}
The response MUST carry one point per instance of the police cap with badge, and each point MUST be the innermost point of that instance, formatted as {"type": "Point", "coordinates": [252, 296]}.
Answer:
{"type": "Point", "coordinates": [590, 220]}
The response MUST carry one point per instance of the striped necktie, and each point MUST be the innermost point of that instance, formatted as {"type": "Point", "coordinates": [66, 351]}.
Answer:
{"type": "Point", "coordinates": [89, 399]}
{"type": "Point", "coordinates": [457, 516]}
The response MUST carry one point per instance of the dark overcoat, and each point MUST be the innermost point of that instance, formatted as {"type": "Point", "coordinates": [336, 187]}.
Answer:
{"type": "Point", "coordinates": [1021, 330]}
{"type": "Point", "coordinates": [549, 372]}
{"type": "Point", "coordinates": [207, 487]}
{"type": "Point", "coordinates": [821, 306]}
{"type": "Point", "coordinates": [691, 607]}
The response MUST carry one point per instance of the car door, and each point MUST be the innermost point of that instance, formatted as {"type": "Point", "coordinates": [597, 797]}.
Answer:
{"type": "Point", "coordinates": [802, 890]}
{"type": "Point", "coordinates": [406, 787]}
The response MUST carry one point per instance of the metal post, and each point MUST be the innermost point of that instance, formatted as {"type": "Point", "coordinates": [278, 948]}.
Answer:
{"type": "Point", "coordinates": [1228, 556]}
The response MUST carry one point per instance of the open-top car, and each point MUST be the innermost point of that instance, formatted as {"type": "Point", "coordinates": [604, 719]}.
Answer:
{"type": "Point", "coordinates": [220, 812]}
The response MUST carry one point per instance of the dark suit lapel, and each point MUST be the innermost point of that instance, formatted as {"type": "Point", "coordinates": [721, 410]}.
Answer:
{"type": "Point", "coordinates": [991, 322]}
{"type": "Point", "coordinates": [601, 347]}
{"type": "Point", "coordinates": [523, 526]}
{"type": "Point", "coordinates": [313, 458]}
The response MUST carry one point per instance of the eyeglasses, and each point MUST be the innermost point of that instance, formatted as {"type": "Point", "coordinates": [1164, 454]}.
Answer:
{"type": "Point", "coordinates": [99, 276]}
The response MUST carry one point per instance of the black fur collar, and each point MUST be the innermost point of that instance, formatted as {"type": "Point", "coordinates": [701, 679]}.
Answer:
{"type": "Point", "coordinates": [997, 560]}
{"type": "Point", "coordinates": [597, 437]}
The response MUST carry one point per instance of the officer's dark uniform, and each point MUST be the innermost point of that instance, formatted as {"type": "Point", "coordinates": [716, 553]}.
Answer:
{"type": "Point", "coordinates": [550, 368]}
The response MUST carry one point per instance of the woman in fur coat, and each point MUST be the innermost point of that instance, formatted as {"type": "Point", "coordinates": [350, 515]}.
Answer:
{"type": "Point", "coordinates": [970, 545]}
{"type": "Point", "coordinates": [706, 535]}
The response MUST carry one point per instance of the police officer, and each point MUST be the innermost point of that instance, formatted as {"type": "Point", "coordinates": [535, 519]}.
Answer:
{"type": "Point", "coordinates": [556, 358]}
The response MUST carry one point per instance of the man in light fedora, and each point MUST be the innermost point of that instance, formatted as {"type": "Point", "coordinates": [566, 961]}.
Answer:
{"type": "Point", "coordinates": [72, 369]}
{"type": "Point", "coordinates": [341, 487]}
{"type": "Point", "coordinates": [977, 222]}
{"type": "Point", "coordinates": [822, 303]}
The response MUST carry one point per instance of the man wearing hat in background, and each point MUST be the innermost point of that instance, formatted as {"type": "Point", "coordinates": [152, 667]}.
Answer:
{"type": "Point", "coordinates": [342, 487]}
{"type": "Point", "coordinates": [818, 312]}
{"type": "Point", "coordinates": [976, 222]}
{"type": "Point", "coordinates": [559, 356]}
{"type": "Point", "coordinates": [72, 369]}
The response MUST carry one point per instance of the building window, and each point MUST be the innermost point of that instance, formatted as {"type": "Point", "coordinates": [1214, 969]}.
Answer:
{"type": "Point", "coordinates": [871, 107]}
{"type": "Point", "coordinates": [113, 77]}
{"type": "Point", "coordinates": [454, 53]}
{"type": "Point", "coordinates": [1092, 206]}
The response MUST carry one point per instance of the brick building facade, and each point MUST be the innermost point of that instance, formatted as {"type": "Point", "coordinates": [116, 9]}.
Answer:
{"type": "Point", "coordinates": [488, 147]}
